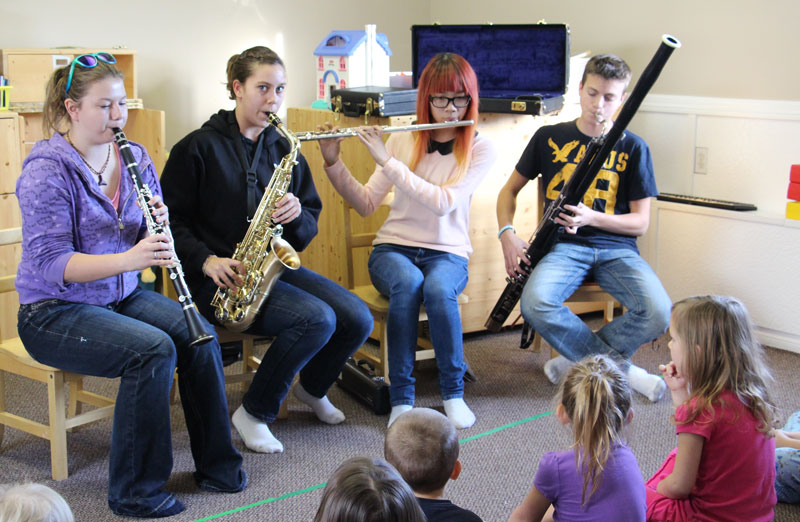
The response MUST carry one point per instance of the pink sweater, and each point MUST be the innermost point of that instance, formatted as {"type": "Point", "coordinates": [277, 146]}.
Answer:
{"type": "Point", "coordinates": [425, 212]}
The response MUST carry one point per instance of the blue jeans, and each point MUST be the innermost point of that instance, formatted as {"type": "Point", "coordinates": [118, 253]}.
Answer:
{"type": "Point", "coordinates": [142, 339]}
{"type": "Point", "coordinates": [316, 324]}
{"type": "Point", "coordinates": [620, 272]}
{"type": "Point", "coordinates": [412, 276]}
{"type": "Point", "coordinates": [787, 467]}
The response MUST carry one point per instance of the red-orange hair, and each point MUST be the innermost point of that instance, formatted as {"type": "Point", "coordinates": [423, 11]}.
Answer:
{"type": "Point", "coordinates": [446, 72]}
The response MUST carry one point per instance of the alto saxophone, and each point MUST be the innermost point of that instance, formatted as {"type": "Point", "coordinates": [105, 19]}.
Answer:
{"type": "Point", "coordinates": [263, 252]}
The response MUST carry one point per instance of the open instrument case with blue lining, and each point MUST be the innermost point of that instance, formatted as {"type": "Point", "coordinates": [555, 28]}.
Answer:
{"type": "Point", "coordinates": [521, 68]}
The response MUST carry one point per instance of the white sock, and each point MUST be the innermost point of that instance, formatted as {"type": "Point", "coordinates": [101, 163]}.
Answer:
{"type": "Point", "coordinates": [397, 411]}
{"type": "Point", "coordinates": [254, 433]}
{"type": "Point", "coordinates": [323, 409]}
{"type": "Point", "coordinates": [556, 368]}
{"type": "Point", "coordinates": [459, 413]}
{"type": "Point", "coordinates": [651, 386]}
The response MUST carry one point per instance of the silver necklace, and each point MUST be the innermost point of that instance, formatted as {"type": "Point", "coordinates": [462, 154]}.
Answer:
{"type": "Point", "coordinates": [98, 173]}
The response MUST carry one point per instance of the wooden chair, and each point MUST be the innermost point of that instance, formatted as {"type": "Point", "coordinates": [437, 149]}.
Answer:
{"type": "Point", "coordinates": [588, 295]}
{"type": "Point", "coordinates": [377, 303]}
{"type": "Point", "coordinates": [14, 359]}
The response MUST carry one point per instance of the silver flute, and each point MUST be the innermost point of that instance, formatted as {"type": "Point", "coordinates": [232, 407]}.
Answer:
{"type": "Point", "coordinates": [351, 131]}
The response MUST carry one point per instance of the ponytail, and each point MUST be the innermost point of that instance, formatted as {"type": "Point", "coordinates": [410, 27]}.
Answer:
{"type": "Point", "coordinates": [597, 398]}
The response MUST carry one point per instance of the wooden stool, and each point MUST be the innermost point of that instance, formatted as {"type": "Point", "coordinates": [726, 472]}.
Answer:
{"type": "Point", "coordinates": [14, 359]}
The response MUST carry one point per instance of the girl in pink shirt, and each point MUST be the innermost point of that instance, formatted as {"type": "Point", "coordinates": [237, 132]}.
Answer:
{"type": "Point", "coordinates": [422, 249]}
{"type": "Point", "coordinates": [724, 466]}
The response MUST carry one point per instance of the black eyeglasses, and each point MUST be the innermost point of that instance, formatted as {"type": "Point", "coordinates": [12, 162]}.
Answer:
{"type": "Point", "coordinates": [88, 61]}
{"type": "Point", "coordinates": [441, 102]}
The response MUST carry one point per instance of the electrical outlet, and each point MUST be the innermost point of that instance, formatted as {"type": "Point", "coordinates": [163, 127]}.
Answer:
{"type": "Point", "coordinates": [701, 160]}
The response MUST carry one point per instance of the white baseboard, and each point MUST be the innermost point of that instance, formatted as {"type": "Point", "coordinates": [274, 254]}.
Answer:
{"type": "Point", "coordinates": [781, 340]}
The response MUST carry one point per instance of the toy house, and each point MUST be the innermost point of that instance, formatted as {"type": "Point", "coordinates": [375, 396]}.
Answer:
{"type": "Point", "coordinates": [342, 61]}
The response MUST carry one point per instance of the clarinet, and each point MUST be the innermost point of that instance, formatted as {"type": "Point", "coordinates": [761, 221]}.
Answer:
{"type": "Point", "coordinates": [197, 332]}
{"type": "Point", "coordinates": [574, 189]}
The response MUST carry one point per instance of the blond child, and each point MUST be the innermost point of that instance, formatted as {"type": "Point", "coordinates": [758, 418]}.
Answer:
{"type": "Point", "coordinates": [422, 444]}
{"type": "Point", "coordinates": [724, 466]}
{"type": "Point", "coordinates": [599, 475]}
{"type": "Point", "coordinates": [33, 503]}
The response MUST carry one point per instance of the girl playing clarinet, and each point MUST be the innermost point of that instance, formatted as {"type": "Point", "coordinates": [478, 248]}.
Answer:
{"type": "Point", "coordinates": [84, 240]}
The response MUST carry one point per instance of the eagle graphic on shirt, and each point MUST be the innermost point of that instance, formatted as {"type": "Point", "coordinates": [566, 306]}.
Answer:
{"type": "Point", "coordinates": [602, 194]}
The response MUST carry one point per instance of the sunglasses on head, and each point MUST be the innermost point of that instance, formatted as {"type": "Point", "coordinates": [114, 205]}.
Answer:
{"type": "Point", "coordinates": [88, 61]}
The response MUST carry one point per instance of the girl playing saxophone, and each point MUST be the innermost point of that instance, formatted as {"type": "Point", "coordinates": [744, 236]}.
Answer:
{"type": "Point", "coordinates": [213, 182]}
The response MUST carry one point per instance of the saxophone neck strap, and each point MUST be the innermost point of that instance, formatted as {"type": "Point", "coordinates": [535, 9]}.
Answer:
{"type": "Point", "coordinates": [249, 167]}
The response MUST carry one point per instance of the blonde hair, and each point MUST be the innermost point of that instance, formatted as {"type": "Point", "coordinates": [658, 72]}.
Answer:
{"type": "Point", "coordinates": [597, 398]}
{"type": "Point", "coordinates": [422, 444]}
{"type": "Point", "coordinates": [54, 114]}
{"type": "Point", "coordinates": [729, 357]}
{"type": "Point", "coordinates": [242, 65]}
{"type": "Point", "coordinates": [33, 503]}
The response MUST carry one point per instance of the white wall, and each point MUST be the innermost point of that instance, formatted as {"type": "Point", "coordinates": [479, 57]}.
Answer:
{"type": "Point", "coordinates": [696, 250]}
{"type": "Point", "coordinates": [731, 48]}
{"type": "Point", "coordinates": [750, 147]}
{"type": "Point", "coordinates": [183, 46]}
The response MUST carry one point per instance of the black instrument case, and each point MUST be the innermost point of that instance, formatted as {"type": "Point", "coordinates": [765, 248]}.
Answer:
{"type": "Point", "coordinates": [521, 68]}
{"type": "Point", "coordinates": [358, 378]}
{"type": "Point", "coordinates": [373, 100]}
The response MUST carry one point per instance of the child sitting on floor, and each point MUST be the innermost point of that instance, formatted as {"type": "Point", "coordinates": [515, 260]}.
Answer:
{"type": "Point", "coordinates": [724, 466]}
{"type": "Point", "coordinates": [367, 490]}
{"type": "Point", "coordinates": [787, 461]}
{"type": "Point", "coordinates": [33, 503]}
{"type": "Point", "coordinates": [422, 444]}
{"type": "Point", "coordinates": [599, 480]}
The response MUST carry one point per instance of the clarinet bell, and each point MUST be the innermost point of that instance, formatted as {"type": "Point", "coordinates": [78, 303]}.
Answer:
{"type": "Point", "coordinates": [197, 332]}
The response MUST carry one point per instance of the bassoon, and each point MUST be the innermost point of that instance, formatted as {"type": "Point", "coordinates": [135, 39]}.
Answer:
{"type": "Point", "coordinates": [197, 332]}
{"type": "Point", "coordinates": [574, 189]}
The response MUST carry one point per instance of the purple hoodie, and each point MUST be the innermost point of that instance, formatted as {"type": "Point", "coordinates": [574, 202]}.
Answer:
{"type": "Point", "coordinates": [65, 212]}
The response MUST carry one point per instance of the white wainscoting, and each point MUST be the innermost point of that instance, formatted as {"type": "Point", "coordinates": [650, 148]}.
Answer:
{"type": "Point", "coordinates": [754, 256]}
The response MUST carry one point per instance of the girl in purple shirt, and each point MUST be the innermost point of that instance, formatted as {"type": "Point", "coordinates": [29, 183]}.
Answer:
{"type": "Point", "coordinates": [599, 478]}
{"type": "Point", "coordinates": [84, 240]}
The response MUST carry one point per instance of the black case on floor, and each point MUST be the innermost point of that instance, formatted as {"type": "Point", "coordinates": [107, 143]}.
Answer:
{"type": "Point", "coordinates": [374, 100]}
{"type": "Point", "coordinates": [521, 68]}
{"type": "Point", "coordinates": [358, 378]}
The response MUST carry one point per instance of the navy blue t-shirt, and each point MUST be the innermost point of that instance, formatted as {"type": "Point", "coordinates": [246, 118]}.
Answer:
{"type": "Point", "coordinates": [441, 510]}
{"type": "Point", "coordinates": [627, 175]}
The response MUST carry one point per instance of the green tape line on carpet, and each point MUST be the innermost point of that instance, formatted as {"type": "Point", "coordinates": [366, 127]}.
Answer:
{"type": "Point", "coordinates": [262, 502]}
{"type": "Point", "coordinates": [320, 486]}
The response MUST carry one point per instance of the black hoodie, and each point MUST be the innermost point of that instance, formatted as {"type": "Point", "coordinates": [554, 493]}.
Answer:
{"type": "Point", "coordinates": [204, 185]}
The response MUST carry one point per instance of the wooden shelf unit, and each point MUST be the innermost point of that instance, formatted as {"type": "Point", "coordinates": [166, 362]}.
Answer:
{"type": "Point", "coordinates": [29, 69]}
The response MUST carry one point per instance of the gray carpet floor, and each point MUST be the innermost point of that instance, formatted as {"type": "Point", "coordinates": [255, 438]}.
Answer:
{"type": "Point", "coordinates": [512, 400]}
